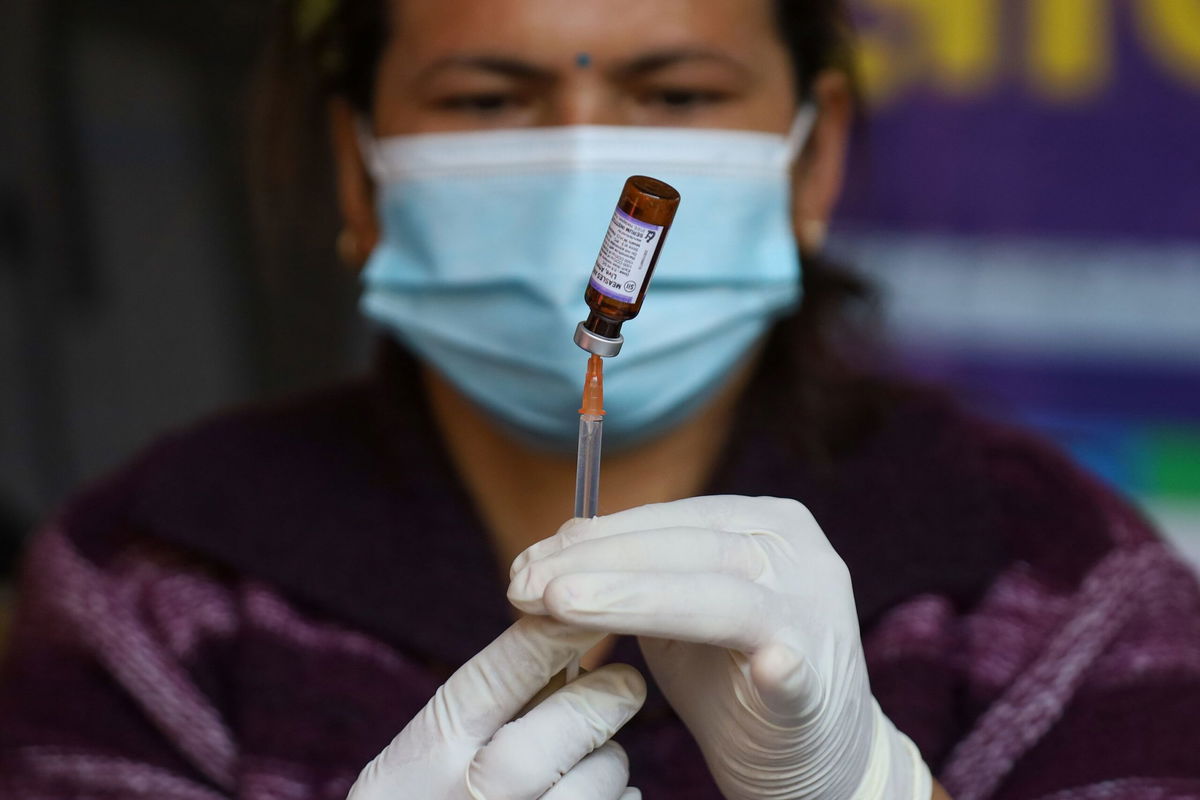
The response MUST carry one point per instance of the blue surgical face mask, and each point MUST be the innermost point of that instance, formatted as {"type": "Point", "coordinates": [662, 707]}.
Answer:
{"type": "Point", "coordinates": [488, 241]}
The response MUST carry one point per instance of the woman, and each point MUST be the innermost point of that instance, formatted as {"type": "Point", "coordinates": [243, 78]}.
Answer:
{"type": "Point", "coordinates": [255, 606]}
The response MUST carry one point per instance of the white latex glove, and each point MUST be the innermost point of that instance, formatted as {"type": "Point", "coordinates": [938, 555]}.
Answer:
{"type": "Point", "coordinates": [462, 745]}
{"type": "Point", "coordinates": [748, 623]}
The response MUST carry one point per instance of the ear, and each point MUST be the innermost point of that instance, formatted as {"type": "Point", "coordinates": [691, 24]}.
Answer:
{"type": "Point", "coordinates": [820, 170]}
{"type": "Point", "coordinates": [355, 190]}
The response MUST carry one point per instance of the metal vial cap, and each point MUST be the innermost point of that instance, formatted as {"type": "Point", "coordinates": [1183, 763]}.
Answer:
{"type": "Point", "coordinates": [594, 343]}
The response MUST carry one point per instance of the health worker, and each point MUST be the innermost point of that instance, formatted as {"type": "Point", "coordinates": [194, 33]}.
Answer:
{"type": "Point", "coordinates": [809, 580]}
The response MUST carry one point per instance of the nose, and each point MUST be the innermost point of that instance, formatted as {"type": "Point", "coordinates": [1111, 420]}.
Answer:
{"type": "Point", "coordinates": [583, 99]}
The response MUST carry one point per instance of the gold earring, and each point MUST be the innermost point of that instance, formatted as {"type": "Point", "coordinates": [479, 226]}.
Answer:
{"type": "Point", "coordinates": [812, 235]}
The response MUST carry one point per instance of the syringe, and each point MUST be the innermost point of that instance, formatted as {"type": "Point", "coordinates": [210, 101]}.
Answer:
{"type": "Point", "coordinates": [587, 463]}
{"type": "Point", "coordinates": [591, 431]}
{"type": "Point", "coordinates": [620, 277]}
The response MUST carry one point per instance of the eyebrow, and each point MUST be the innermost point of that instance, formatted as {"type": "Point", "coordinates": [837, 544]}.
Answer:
{"type": "Point", "coordinates": [660, 59]}
{"type": "Point", "coordinates": [501, 65]}
{"type": "Point", "coordinates": [633, 68]}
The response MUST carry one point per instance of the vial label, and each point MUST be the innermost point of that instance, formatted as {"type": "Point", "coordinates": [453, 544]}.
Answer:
{"type": "Point", "coordinates": [625, 257]}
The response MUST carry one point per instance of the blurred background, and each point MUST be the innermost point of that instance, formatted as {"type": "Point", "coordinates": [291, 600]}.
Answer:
{"type": "Point", "coordinates": [1027, 195]}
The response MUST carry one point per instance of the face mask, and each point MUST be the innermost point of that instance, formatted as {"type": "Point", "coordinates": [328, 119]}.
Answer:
{"type": "Point", "coordinates": [488, 240]}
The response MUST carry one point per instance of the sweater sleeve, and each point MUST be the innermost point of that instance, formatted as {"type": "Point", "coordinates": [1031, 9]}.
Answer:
{"type": "Point", "coordinates": [111, 687]}
{"type": "Point", "coordinates": [1082, 661]}
{"type": "Point", "coordinates": [1071, 669]}
{"type": "Point", "coordinates": [1097, 698]}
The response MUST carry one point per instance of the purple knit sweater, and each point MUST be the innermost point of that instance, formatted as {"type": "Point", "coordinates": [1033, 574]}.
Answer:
{"type": "Point", "coordinates": [256, 606]}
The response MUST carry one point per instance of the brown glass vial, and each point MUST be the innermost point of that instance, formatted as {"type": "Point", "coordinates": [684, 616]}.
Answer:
{"type": "Point", "coordinates": [626, 262]}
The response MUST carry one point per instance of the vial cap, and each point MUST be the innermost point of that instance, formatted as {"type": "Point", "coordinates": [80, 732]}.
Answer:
{"type": "Point", "coordinates": [602, 346]}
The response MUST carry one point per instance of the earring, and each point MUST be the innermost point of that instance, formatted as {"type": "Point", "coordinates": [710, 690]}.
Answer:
{"type": "Point", "coordinates": [812, 235]}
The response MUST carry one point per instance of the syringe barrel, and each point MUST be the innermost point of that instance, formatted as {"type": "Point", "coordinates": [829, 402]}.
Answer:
{"type": "Point", "coordinates": [587, 466]}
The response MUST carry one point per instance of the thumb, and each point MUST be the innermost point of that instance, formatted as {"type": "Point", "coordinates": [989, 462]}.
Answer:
{"type": "Point", "coordinates": [491, 688]}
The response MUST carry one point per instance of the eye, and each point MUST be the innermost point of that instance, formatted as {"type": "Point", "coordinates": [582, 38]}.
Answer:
{"type": "Point", "coordinates": [683, 99]}
{"type": "Point", "coordinates": [481, 103]}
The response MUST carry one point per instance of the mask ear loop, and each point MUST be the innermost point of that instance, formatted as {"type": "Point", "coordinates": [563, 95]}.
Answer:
{"type": "Point", "coordinates": [368, 147]}
{"type": "Point", "coordinates": [813, 231]}
{"type": "Point", "coordinates": [802, 125]}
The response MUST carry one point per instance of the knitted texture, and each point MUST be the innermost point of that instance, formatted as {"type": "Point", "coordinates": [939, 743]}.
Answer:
{"type": "Point", "coordinates": [255, 607]}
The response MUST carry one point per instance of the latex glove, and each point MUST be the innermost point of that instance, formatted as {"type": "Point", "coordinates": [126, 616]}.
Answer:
{"type": "Point", "coordinates": [462, 744]}
{"type": "Point", "coordinates": [749, 626]}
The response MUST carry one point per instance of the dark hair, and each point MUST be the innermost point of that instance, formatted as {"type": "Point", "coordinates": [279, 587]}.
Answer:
{"type": "Point", "coordinates": [811, 367]}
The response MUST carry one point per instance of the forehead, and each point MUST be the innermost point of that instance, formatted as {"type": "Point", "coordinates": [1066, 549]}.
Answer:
{"type": "Point", "coordinates": [558, 30]}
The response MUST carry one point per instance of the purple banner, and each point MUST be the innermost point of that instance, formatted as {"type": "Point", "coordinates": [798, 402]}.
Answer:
{"type": "Point", "coordinates": [1043, 117]}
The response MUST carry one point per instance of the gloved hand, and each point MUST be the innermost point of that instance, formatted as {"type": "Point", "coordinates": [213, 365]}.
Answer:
{"type": "Point", "coordinates": [463, 746]}
{"type": "Point", "coordinates": [748, 623]}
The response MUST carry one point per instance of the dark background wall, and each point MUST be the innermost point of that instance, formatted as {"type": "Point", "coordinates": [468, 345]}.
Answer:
{"type": "Point", "coordinates": [130, 299]}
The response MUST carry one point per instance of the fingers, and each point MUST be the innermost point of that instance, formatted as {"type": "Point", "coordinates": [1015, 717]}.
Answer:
{"type": "Point", "coordinates": [602, 775]}
{"type": "Point", "coordinates": [705, 608]}
{"type": "Point", "coordinates": [496, 683]}
{"type": "Point", "coordinates": [571, 531]}
{"type": "Point", "coordinates": [729, 513]}
{"type": "Point", "coordinates": [683, 550]}
{"type": "Point", "coordinates": [530, 754]}
{"type": "Point", "coordinates": [718, 512]}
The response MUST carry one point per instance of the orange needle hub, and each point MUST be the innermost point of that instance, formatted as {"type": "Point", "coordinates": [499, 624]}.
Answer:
{"type": "Point", "coordinates": [593, 387]}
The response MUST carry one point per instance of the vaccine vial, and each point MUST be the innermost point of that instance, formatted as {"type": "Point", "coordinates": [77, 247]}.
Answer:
{"type": "Point", "coordinates": [626, 262]}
